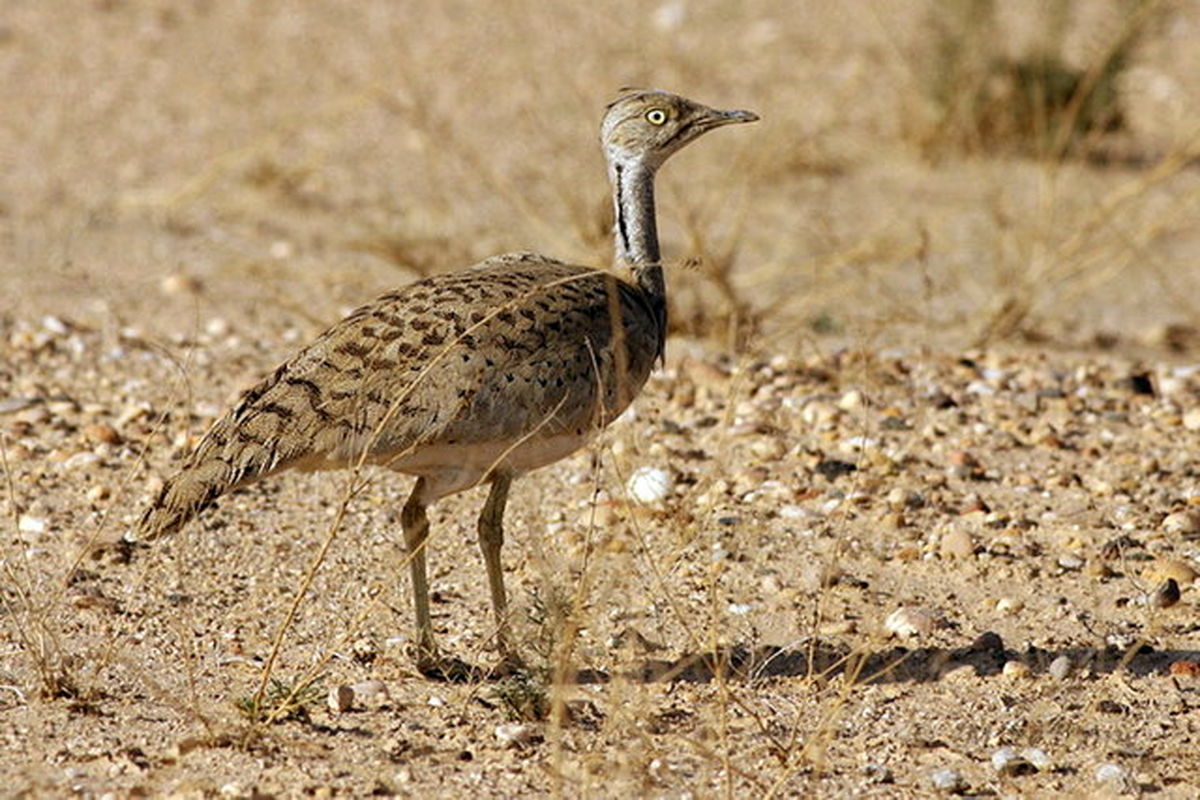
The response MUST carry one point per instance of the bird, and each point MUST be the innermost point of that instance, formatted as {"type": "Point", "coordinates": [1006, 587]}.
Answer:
{"type": "Point", "coordinates": [466, 378]}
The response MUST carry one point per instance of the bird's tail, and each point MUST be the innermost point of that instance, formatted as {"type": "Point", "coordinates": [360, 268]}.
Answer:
{"type": "Point", "coordinates": [257, 437]}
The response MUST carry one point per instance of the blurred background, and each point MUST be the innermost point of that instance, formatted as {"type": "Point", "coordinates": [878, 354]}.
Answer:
{"type": "Point", "coordinates": [949, 173]}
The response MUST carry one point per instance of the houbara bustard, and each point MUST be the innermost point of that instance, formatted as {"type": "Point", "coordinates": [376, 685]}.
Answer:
{"type": "Point", "coordinates": [469, 377]}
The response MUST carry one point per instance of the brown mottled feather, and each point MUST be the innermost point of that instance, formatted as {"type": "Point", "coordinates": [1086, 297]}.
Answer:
{"type": "Point", "coordinates": [514, 350]}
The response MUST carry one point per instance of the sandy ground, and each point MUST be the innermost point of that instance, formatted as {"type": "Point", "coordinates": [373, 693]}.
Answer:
{"type": "Point", "coordinates": [926, 432]}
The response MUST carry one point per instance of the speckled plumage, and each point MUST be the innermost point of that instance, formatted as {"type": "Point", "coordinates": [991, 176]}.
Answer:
{"type": "Point", "coordinates": [469, 377]}
{"type": "Point", "coordinates": [506, 366]}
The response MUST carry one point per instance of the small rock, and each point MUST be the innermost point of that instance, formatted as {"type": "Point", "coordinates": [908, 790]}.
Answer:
{"type": "Point", "coordinates": [1115, 777]}
{"type": "Point", "coordinates": [517, 734]}
{"type": "Point", "coordinates": [1165, 595]}
{"type": "Point", "coordinates": [1038, 758]}
{"type": "Point", "coordinates": [1015, 670]}
{"type": "Point", "coordinates": [1010, 605]}
{"type": "Point", "coordinates": [650, 485]}
{"type": "Point", "coordinates": [957, 544]}
{"type": "Point", "coordinates": [948, 780]}
{"type": "Point", "coordinates": [1060, 668]}
{"type": "Point", "coordinates": [908, 622]}
{"type": "Point", "coordinates": [81, 460]}
{"type": "Point", "coordinates": [1191, 419]}
{"type": "Point", "coordinates": [903, 499]}
{"type": "Point", "coordinates": [1184, 523]}
{"type": "Point", "coordinates": [341, 699]}
{"type": "Point", "coordinates": [877, 773]}
{"type": "Point", "coordinates": [819, 414]}
{"type": "Point", "coordinates": [102, 433]}
{"type": "Point", "coordinates": [1186, 668]}
{"type": "Point", "coordinates": [851, 401]}
{"type": "Point", "coordinates": [180, 283]}
{"type": "Point", "coordinates": [1007, 761]}
{"type": "Point", "coordinates": [98, 493]}
{"type": "Point", "coordinates": [217, 327]}
{"type": "Point", "coordinates": [1070, 562]}
{"type": "Point", "coordinates": [28, 524]}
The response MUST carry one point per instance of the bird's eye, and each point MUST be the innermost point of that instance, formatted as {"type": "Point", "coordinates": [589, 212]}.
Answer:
{"type": "Point", "coordinates": [656, 116]}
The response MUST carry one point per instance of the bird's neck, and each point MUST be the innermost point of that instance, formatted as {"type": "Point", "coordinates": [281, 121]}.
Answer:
{"type": "Point", "coordinates": [635, 231]}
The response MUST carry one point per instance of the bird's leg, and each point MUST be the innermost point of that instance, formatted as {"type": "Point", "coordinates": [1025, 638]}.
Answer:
{"type": "Point", "coordinates": [491, 538]}
{"type": "Point", "coordinates": [416, 531]}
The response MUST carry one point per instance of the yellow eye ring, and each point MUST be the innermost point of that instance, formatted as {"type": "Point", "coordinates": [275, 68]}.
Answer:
{"type": "Point", "coordinates": [656, 116]}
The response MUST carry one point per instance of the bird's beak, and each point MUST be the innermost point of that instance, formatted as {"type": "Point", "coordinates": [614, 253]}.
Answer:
{"type": "Point", "coordinates": [715, 118]}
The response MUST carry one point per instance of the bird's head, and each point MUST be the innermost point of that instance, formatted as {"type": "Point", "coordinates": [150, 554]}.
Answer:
{"type": "Point", "coordinates": [647, 126]}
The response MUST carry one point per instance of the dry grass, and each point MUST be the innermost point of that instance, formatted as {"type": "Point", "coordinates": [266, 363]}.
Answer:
{"type": "Point", "coordinates": [293, 157]}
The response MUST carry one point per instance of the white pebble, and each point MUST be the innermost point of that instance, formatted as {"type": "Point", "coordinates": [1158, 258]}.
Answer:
{"type": "Point", "coordinates": [907, 622]}
{"type": "Point", "coordinates": [1185, 523]}
{"type": "Point", "coordinates": [28, 524]}
{"type": "Point", "coordinates": [340, 699]}
{"type": "Point", "coordinates": [1070, 562]}
{"type": "Point", "coordinates": [1116, 777]}
{"type": "Point", "coordinates": [650, 485]}
{"type": "Point", "coordinates": [1038, 758]}
{"type": "Point", "coordinates": [948, 780]}
{"type": "Point", "coordinates": [515, 734]}
{"type": "Point", "coordinates": [55, 325]}
{"type": "Point", "coordinates": [1015, 669]}
{"type": "Point", "coordinates": [1010, 605]}
{"type": "Point", "coordinates": [216, 327]}
{"type": "Point", "coordinates": [80, 460]}
{"type": "Point", "coordinates": [1006, 761]}
{"type": "Point", "coordinates": [1060, 668]}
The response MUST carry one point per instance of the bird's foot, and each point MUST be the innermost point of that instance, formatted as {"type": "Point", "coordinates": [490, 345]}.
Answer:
{"type": "Point", "coordinates": [510, 664]}
{"type": "Point", "coordinates": [447, 669]}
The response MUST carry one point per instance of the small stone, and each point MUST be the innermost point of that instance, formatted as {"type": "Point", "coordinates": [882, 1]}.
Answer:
{"type": "Point", "coordinates": [1038, 758]}
{"type": "Point", "coordinates": [1184, 523]}
{"type": "Point", "coordinates": [341, 699]}
{"type": "Point", "coordinates": [1115, 777]}
{"type": "Point", "coordinates": [1070, 562]}
{"type": "Point", "coordinates": [517, 734]}
{"type": "Point", "coordinates": [81, 460]}
{"type": "Point", "coordinates": [851, 401]}
{"type": "Point", "coordinates": [1060, 668]}
{"type": "Point", "coordinates": [904, 499]}
{"type": "Point", "coordinates": [877, 773]}
{"type": "Point", "coordinates": [1016, 670]}
{"type": "Point", "coordinates": [908, 622]}
{"type": "Point", "coordinates": [28, 524]}
{"type": "Point", "coordinates": [98, 493]}
{"type": "Point", "coordinates": [217, 327]}
{"type": "Point", "coordinates": [957, 544]}
{"type": "Point", "coordinates": [102, 433]}
{"type": "Point", "coordinates": [1010, 605]}
{"type": "Point", "coordinates": [1165, 595]}
{"type": "Point", "coordinates": [180, 283]}
{"type": "Point", "coordinates": [948, 780]}
{"type": "Point", "coordinates": [1007, 761]}
{"type": "Point", "coordinates": [1191, 419]}
{"type": "Point", "coordinates": [650, 485]}
{"type": "Point", "coordinates": [1186, 668]}
{"type": "Point", "coordinates": [819, 414]}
